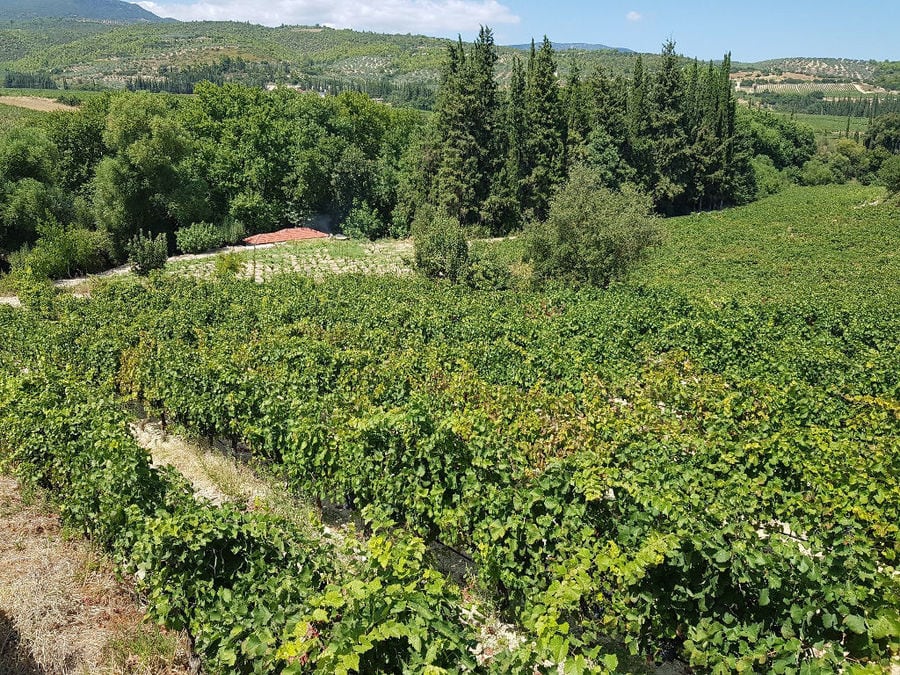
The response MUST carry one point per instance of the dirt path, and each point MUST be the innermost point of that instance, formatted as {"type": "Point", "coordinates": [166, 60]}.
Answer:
{"type": "Point", "coordinates": [214, 475]}
{"type": "Point", "coordinates": [62, 610]}
{"type": "Point", "coordinates": [35, 103]}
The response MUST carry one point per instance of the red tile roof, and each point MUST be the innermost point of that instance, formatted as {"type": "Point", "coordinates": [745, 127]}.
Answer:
{"type": "Point", "coordinates": [290, 234]}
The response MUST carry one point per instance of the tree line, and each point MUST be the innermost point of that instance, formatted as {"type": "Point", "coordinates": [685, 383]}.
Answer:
{"type": "Point", "coordinates": [78, 187]}
{"type": "Point", "coordinates": [815, 103]}
{"type": "Point", "coordinates": [493, 159]}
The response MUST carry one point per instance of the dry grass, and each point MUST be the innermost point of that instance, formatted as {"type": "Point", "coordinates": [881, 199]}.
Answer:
{"type": "Point", "coordinates": [62, 609]}
{"type": "Point", "coordinates": [35, 103]}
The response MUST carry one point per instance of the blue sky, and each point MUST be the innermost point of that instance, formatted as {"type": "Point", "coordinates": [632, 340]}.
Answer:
{"type": "Point", "coordinates": [752, 31]}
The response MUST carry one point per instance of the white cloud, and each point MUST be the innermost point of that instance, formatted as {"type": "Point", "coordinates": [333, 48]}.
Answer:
{"type": "Point", "coordinates": [634, 16]}
{"type": "Point", "coordinates": [401, 16]}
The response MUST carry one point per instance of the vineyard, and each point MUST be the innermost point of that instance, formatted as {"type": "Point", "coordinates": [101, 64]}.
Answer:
{"type": "Point", "coordinates": [635, 471]}
{"type": "Point", "coordinates": [831, 90]}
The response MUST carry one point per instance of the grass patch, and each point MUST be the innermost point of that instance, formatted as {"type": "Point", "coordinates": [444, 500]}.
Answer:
{"type": "Point", "coordinates": [142, 648]}
{"type": "Point", "coordinates": [831, 123]}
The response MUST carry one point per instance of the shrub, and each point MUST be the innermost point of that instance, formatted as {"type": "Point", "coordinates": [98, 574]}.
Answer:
{"type": "Point", "coordinates": [64, 251]}
{"type": "Point", "coordinates": [440, 248]}
{"type": "Point", "coordinates": [769, 180]}
{"type": "Point", "coordinates": [592, 234]}
{"type": "Point", "coordinates": [363, 222]}
{"type": "Point", "coordinates": [489, 269]}
{"type": "Point", "coordinates": [816, 172]}
{"type": "Point", "coordinates": [146, 253]}
{"type": "Point", "coordinates": [35, 292]}
{"type": "Point", "coordinates": [229, 265]}
{"type": "Point", "coordinates": [199, 237]}
{"type": "Point", "coordinates": [889, 174]}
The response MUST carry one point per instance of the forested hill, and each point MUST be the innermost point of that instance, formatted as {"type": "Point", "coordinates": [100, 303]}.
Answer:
{"type": "Point", "coordinates": [173, 56]}
{"type": "Point", "coordinates": [403, 69]}
{"type": "Point", "coordinates": [581, 46]}
{"type": "Point", "coordinates": [99, 10]}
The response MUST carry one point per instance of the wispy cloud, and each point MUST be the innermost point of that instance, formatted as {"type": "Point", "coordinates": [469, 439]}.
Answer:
{"type": "Point", "coordinates": [401, 16]}
{"type": "Point", "coordinates": [634, 16]}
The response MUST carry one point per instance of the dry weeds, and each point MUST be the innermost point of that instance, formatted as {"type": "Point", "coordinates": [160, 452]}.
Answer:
{"type": "Point", "coordinates": [35, 103]}
{"type": "Point", "coordinates": [62, 609]}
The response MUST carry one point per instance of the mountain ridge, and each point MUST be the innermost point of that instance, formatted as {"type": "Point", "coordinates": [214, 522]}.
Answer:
{"type": "Point", "coordinates": [97, 10]}
{"type": "Point", "coordinates": [580, 46]}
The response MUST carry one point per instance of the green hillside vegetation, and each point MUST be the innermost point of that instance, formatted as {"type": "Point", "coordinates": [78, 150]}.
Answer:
{"type": "Point", "coordinates": [104, 10]}
{"type": "Point", "coordinates": [698, 463]}
{"type": "Point", "coordinates": [13, 116]}
{"type": "Point", "coordinates": [825, 243]}
{"type": "Point", "coordinates": [310, 56]}
{"type": "Point", "coordinates": [402, 69]}
{"type": "Point", "coordinates": [79, 187]}
{"type": "Point", "coordinates": [835, 69]}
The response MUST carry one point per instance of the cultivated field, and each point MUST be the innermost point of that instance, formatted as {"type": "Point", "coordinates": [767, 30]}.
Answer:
{"type": "Point", "coordinates": [698, 465]}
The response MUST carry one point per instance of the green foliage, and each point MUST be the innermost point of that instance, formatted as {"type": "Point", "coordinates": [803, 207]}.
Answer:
{"type": "Point", "coordinates": [229, 265]}
{"type": "Point", "coordinates": [769, 180]}
{"type": "Point", "coordinates": [884, 132]}
{"type": "Point", "coordinates": [199, 237]}
{"type": "Point", "coordinates": [889, 174]}
{"type": "Point", "coordinates": [238, 581]}
{"type": "Point", "coordinates": [440, 248]}
{"type": "Point", "coordinates": [398, 615]}
{"type": "Point", "coordinates": [817, 172]}
{"type": "Point", "coordinates": [593, 234]}
{"type": "Point", "coordinates": [831, 243]}
{"type": "Point", "coordinates": [147, 253]}
{"type": "Point", "coordinates": [35, 291]}
{"type": "Point", "coordinates": [63, 252]}
{"type": "Point", "coordinates": [363, 222]}
{"type": "Point", "coordinates": [490, 268]}
{"type": "Point", "coordinates": [634, 466]}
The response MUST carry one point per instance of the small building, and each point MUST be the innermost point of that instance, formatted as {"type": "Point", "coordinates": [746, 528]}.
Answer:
{"type": "Point", "coordinates": [289, 234]}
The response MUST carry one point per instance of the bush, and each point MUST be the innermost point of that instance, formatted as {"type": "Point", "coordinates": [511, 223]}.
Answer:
{"type": "Point", "coordinates": [64, 251]}
{"type": "Point", "coordinates": [489, 269]}
{"type": "Point", "coordinates": [440, 248]}
{"type": "Point", "coordinates": [35, 292]}
{"type": "Point", "coordinates": [363, 222]}
{"type": "Point", "coordinates": [889, 174]}
{"type": "Point", "coordinates": [769, 180]}
{"type": "Point", "coordinates": [146, 253]}
{"type": "Point", "coordinates": [199, 237]}
{"type": "Point", "coordinates": [592, 234]}
{"type": "Point", "coordinates": [229, 265]}
{"type": "Point", "coordinates": [816, 172]}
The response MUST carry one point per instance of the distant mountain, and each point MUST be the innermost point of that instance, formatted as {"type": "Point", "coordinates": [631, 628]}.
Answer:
{"type": "Point", "coordinates": [582, 46]}
{"type": "Point", "coordinates": [95, 10]}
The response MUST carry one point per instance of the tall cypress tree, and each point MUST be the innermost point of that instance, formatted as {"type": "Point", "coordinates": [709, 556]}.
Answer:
{"type": "Point", "coordinates": [670, 155]}
{"type": "Point", "coordinates": [607, 146]}
{"type": "Point", "coordinates": [457, 150]}
{"type": "Point", "coordinates": [545, 144]}
{"type": "Point", "coordinates": [470, 143]}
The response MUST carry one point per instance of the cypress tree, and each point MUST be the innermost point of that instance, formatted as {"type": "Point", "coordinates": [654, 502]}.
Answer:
{"type": "Point", "coordinates": [670, 166]}
{"type": "Point", "coordinates": [545, 160]}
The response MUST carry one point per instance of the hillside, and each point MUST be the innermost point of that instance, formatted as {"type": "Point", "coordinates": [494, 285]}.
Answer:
{"type": "Point", "coordinates": [835, 76]}
{"type": "Point", "coordinates": [826, 242]}
{"type": "Point", "coordinates": [579, 46]}
{"type": "Point", "coordinates": [403, 69]}
{"type": "Point", "coordinates": [148, 55]}
{"type": "Point", "coordinates": [99, 10]}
